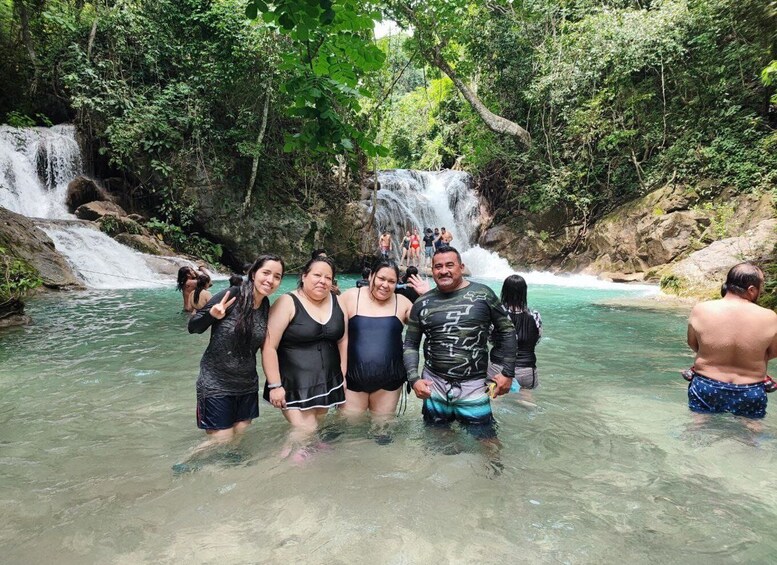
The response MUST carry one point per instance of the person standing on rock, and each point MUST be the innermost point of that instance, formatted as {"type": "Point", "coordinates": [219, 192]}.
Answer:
{"type": "Point", "coordinates": [734, 339]}
{"type": "Point", "coordinates": [384, 245]}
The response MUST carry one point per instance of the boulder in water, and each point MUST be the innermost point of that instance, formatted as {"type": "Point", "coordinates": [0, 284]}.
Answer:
{"type": "Point", "coordinates": [12, 314]}
{"type": "Point", "coordinates": [20, 236]}
{"type": "Point", "coordinates": [96, 210]}
{"type": "Point", "coordinates": [82, 190]}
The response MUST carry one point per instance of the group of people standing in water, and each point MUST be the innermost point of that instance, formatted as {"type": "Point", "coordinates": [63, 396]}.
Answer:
{"type": "Point", "coordinates": [320, 350]}
{"type": "Point", "coordinates": [415, 246]}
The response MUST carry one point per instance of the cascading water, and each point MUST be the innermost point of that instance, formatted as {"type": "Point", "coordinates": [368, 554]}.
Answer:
{"type": "Point", "coordinates": [36, 165]}
{"type": "Point", "coordinates": [410, 199]}
{"type": "Point", "coordinates": [420, 199]}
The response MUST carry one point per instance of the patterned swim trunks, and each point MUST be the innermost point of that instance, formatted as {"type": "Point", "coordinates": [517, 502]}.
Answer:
{"type": "Point", "coordinates": [709, 396]}
{"type": "Point", "coordinates": [464, 401]}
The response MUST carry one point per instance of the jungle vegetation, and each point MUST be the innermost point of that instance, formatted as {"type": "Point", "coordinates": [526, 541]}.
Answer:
{"type": "Point", "coordinates": [579, 103]}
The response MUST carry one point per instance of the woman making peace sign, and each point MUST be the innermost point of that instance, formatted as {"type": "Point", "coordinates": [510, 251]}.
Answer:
{"type": "Point", "coordinates": [227, 386]}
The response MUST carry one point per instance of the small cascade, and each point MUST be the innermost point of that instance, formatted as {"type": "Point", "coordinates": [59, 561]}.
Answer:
{"type": "Point", "coordinates": [420, 199]}
{"type": "Point", "coordinates": [36, 165]}
{"type": "Point", "coordinates": [114, 266]}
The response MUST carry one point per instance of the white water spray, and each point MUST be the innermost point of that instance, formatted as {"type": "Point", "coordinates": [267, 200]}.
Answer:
{"type": "Point", "coordinates": [36, 165]}
{"type": "Point", "coordinates": [409, 199]}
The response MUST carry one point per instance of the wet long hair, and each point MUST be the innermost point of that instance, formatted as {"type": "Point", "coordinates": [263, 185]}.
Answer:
{"type": "Point", "coordinates": [514, 291]}
{"type": "Point", "coordinates": [183, 276]}
{"type": "Point", "coordinates": [309, 265]}
{"type": "Point", "coordinates": [741, 277]}
{"type": "Point", "coordinates": [203, 282]}
{"type": "Point", "coordinates": [244, 305]}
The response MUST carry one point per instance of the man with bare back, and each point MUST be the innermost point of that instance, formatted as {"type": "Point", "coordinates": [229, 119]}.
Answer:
{"type": "Point", "coordinates": [734, 339]}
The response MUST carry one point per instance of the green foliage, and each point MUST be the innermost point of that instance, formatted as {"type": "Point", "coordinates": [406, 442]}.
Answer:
{"type": "Point", "coordinates": [671, 284]}
{"type": "Point", "coordinates": [329, 53]}
{"type": "Point", "coordinates": [17, 278]}
{"type": "Point", "coordinates": [191, 244]}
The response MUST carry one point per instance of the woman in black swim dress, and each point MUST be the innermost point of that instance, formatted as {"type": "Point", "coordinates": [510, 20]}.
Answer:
{"type": "Point", "coordinates": [228, 383]}
{"type": "Point", "coordinates": [376, 318]}
{"type": "Point", "coordinates": [305, 350]}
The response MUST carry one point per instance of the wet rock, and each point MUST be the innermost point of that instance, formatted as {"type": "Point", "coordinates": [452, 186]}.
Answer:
{"type": "Point", "coordinates": [144, 243]}
{"type": "Point", "coordinates": [96, 210]}
{"type": "Point", "coordinates": [20, 237]}
{"type": "Point", "coordinates": [82, 190]}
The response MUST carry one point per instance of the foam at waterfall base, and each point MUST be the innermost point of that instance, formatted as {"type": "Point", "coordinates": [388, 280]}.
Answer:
{"type": "Point", "coordinates": [484, 264]}
{"type": "Point", "coordinates": [113, 266]}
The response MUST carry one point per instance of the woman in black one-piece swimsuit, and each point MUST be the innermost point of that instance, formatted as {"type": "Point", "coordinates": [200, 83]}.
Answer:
{"type": "Point", "coordinates": [305, 350]}
{"type": "Point", "coordinates": [376, 317]}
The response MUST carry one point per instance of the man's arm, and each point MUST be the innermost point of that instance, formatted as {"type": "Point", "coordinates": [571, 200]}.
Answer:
{"type": "Point", "coordinates": [410, 354]}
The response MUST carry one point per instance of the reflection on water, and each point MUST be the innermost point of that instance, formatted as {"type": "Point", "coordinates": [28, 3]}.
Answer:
{"type": "Point", "coordinates": [97, 406]}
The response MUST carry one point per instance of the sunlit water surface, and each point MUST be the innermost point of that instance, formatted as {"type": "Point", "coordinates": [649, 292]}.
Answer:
{"type": "Point", "coordinates": [97, 406]}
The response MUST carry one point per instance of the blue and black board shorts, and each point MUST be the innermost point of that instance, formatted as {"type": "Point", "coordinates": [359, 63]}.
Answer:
{"type": "Point", "coordinates": [709, 396]}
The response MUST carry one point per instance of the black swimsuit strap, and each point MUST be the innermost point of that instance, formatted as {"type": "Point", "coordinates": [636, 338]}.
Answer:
{"type": "Point", "coordinates": [358, 294]}
{"type": "Point", "coordinates": [396, 303]}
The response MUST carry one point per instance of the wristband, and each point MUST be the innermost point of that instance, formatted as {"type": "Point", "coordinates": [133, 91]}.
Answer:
{"type": "Point", "coordinates": [274, 385]}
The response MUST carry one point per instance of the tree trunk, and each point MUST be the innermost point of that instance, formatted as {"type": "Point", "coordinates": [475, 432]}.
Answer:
{"type": "Point", "coordinates": [494, 122]}
{"type": "Point", "coordinates": [255, 164]}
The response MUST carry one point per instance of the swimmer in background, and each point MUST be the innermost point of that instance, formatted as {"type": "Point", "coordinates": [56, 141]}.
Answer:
{"type": "Point", "coordinates": [445, 237]}
{"type": "Point", "coordinates": [405, 249]}
{"type": "Point", "coordinates": [201, 293]}
{"type": "Point", "coordinates": [235, 279]}
{"type": "Point", "coordinates": [527, 325]}
{"type": "Point", "coordinates": [733, 339]}
{"type": "Point", "coordinates": [365, 280]}
{"type": "Point", "coordinates": [186, 284]}
{"type": "Point", "coordinates": [405, 289]}
{"type": "Point", "coordinates": [384, 245]}
{"type": "Point", "coordinates": [428, 248]}
{"type": "Point", "coordinates": [415, 249]}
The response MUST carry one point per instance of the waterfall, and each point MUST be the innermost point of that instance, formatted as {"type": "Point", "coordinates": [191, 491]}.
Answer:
{"type": "Point", "coordinates": [419, 199]}
{"type": "Point", "coordinates": [36, 165]}
{"type": "Point", "coordinates": [408, 199]}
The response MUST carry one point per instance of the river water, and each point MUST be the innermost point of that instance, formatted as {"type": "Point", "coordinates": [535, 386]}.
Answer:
{"type": "Point", "coordinates": [97, 407]}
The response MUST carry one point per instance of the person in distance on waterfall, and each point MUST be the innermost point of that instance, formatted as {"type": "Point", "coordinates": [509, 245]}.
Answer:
{"type": "Point", "coordinates": [304, 356]}
{"type": "Point", "coordinates": [228, 383]}
{"type": "Point", "coordinates": [384, 245]}
{"type": "Point", "coordinates": [733, 339]}
{"type": "Point", "coordinates": [428, 248]}
{"type": "Point", "coordinates": [527, 325]}
{"type": "Point", "coordinates": [415, 249]}
{"type": "Point", "coordinates": [455, 319]}
{"type": "Point", "coordinates": [445, 237]}
{"type": "Point", "coordinates": [405, 249]}
{"type": "Point", "coordinates": [376, 317]}
{"type": "Point", "coordinates": [437, 240]}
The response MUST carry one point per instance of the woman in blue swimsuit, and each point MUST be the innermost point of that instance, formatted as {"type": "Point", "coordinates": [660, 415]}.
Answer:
{"type": "Point", "coordinates": [376, 317]}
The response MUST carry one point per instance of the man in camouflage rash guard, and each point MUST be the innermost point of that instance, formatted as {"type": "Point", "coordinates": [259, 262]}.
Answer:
{"type": "Point", "coordinates": [456, 318]}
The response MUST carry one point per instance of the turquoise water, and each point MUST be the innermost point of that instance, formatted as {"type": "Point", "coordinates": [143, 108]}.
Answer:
{"type": "Point", "coordinates": [97, 405]}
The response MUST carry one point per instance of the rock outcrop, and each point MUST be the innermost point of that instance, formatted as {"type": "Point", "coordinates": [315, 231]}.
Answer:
{"type": "Point", "coordinates": [669, 232]}
{"type": "Point", "coordinates": [82, 190]}
{"type": "Point", "coordinates": [20, 236]}
{"type": "Point", "coordinates": [95, 210]}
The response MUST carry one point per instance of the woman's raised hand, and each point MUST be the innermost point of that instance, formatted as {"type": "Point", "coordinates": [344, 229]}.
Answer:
{"type": "Point", "coordinates": [219, 310]}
